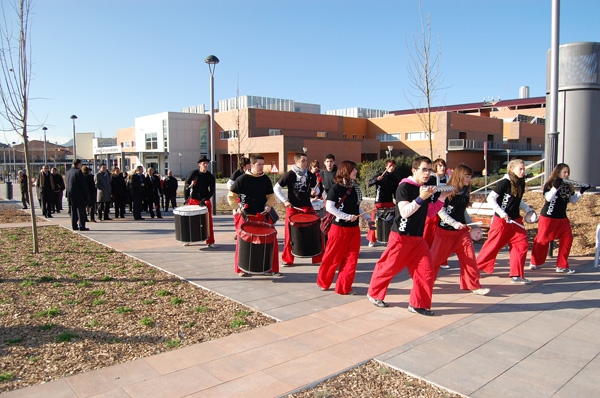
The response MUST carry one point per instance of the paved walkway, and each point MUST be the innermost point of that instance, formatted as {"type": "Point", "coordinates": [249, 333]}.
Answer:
{"type": "Point", "coordinates": [535, 341]}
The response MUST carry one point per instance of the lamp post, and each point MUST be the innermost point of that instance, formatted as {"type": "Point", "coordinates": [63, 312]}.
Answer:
{"type": "Point", "coordinates": [507, 158]}
{"type": "Point", "coordinates": [305, 150]}
{"type": "Point", "coordinates": [45, 158]}
{"type": "Point", "coordinates": [212, 62]}
{"type": "Point", "coordinates": [180, 165]}
{"type": "Point", "coordinates": [73, 117]}
{"type": "Point", "coordinates": [14, 160]}
{"type": "Point", "coordinates": [390, 147]}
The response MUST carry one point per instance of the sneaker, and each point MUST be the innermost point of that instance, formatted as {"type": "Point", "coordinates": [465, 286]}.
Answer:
{"type": "Point", "coordinates": [323, 289]}
{"type": "Point", "coordinates": [565, 270]}
{"type": "Point", "coordinates": [243, 274]}
{"type": "Point", "coordinates": [422, 311]}
{"type": "Point", "coordinates": [287, 264]}
{"type": "Point", "coordinates": [378, 303]}
{"type": "Point", "coordinates": [371, 244]}
{"type": "Point", "coordinates": [350, 293]}
{"type": "Point", "coordinates": [533, 267]}
{"type": "Point", "coordinates": [520, 281]}
{"type": "Point", "coordinates": [273, 273]}
{"type": "Point", "coordinates": [444, 266]}
{"type": "Point", "coordinates": [482, 291]}
{"type": "Point", "coordinates": [213, 246]}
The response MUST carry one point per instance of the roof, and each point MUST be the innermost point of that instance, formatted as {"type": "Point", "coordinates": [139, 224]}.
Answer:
{"type": "Point", "coordinates": [477, 106]}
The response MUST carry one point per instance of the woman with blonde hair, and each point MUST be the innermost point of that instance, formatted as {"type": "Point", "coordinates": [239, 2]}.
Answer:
{"type": "Point", "coordinates": [554, 223]}
{"type": "Point", "coordinates": [507, 224]}
{"type": "Point", "coordinates": [452, 234]}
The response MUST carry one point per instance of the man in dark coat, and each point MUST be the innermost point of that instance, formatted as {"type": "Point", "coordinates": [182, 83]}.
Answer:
{"type": "Point", "coordinates": [46, 184]}
{"type": "Point", "coordinates": [24, 189]}
{"type": "Point", "coordinates": [118, 192]}
{"type": "Point", "coordinates": [138, 191]}
{"type": "Point", "coordinates": [78, 195]}
{"type": "Point", "coordinates": [170, 190]}
{"type": "Point", "coordinates": [153, 193]}
{"type": "Point", "coordinates": [59, 187]}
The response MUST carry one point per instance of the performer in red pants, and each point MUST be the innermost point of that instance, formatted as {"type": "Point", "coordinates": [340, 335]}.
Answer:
{"type": "Point", "coordinates": [438, 177]}
{"type": "Point", "coordinates": [253, 194]}
{"type": "Point", "coordinates": [452, 234]}
{"type": "Point", "coordinates": [554, 223]}
{"type": "Point", "coordinates": [386, 183]}
{"type": "Point", "coordinates": [343, 245]}
{"type": "Point", "coordinates": [300, 184]}
{"type": "Point", "coordinates": [406, 246]}
{"type": "Point", "coordinates": [507, 225]}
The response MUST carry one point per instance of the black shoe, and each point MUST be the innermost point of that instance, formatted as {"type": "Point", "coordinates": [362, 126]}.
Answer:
{"type": "Point", "coordinates": [49, 216]}
{"type": "Point", "coordinates": [107, 219]}
{"type": "Point", "coordinates": [57, 211]}
{"type": "Point", "coordinates": [25, 208]}
{"type": "Point", "coordinates": [83, 229]}
{"type": "Point", "coordinates": [158, 216]}
{"type": "Point", "coordinates": [140, 219]}
{"type": "Point", "coordinates": [422, 311]}
{"type": "Point", "coordinates": [76, 229]}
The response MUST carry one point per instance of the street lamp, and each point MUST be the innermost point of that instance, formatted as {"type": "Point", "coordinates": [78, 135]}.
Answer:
{"type": "Point", "coordinates": [180, 164]}
{"type": "Point", "coordinates": [45, 159]}
{"type": "Point", "coordinates": [390, 147]}
{"type": "Point", "coordinates": [212, 62]}
{"type": "Point", "coordinates": [304, 150]}
{"type": "Point", "coordinates": [73, 117]}
{"type": "Point", "coordinates": [14, 160]}
{"type": "Point", "coordinates": [507, 158]}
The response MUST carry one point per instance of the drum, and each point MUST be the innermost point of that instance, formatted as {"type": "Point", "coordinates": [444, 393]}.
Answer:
{"type": "Point", "coordinates": [384, 219]}
{"type": "Point", "coordinates": [256, 242]}
{"type": "Point", "coordinates": [191, 223]}
{"type": "Point", "coordinates": [318, 204]}
{"type": "Point", "coordinates": [305, 234]}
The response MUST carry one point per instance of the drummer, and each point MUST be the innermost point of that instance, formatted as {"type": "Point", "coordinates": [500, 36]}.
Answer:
{"type": "Point", "coordinates": [252, 197]}
{"type": "Point", "coordinates": [301, 184]}
{"type": "Point", "coordinates": [199, 189]}
{"type": "Point", "coordinates": [386, 183]}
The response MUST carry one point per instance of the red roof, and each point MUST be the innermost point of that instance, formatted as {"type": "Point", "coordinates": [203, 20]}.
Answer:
{"type": "Point", "coordinates": [477, 106]}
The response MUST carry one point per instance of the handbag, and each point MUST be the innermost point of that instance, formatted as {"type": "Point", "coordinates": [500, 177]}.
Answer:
{"type": "Point", "coordinates": [327, 220]}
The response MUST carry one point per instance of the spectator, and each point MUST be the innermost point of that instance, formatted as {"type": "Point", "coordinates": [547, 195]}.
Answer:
{"type": "Point", "coordinates": [118, 191]}
{"type": "Point", "coordinates": [102, 181]}
{"type": "Point", "coordinates": [170, 191]}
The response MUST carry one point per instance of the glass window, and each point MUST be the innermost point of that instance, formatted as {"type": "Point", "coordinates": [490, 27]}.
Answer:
{"type": "Point", "coordinates": [152, 141]}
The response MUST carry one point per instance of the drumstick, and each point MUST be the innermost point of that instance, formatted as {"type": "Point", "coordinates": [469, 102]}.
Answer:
{"type": "Point", "coordinates": [514, 222]}
{"type": "Point", "coordinates": [474, 223]}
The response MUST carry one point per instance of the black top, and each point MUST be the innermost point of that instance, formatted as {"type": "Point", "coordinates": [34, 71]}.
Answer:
{"type": "Point", "coordinates": [252, 191]}
{"type": "Point", "coordinates": [456, 208]}
{"type": "Point", "coordinates": [510, 204]}
{"type": "Point", "coordinates": [328, 177]}
{"type": "Point", "coordinates": [203, 189]}
{"type": "Point", "coordinates": [348, 206]}
{"type": "Point", "coordinates": [118, 188]}
{"type": "Point", "coordinates": [386, 188]}
{"type": "Point", "coordinates": [557, 208]}
{"type": "Point", "coordinates": [415, 223]}
{"type": "Point", "coordinates": [77, 187]}
{"type": "Point", "coordinates": [236, 174]}
{"type": "Point", "coordinates": [170, 186]}
{"type": "Point", "coordinates": [298, 189]}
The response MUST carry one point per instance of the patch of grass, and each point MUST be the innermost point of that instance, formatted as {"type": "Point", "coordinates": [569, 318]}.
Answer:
{"type": "Point", "coordinates": [123, 310]}
{"type": "Point", "coordinates": [190, 324]}
{"type": "Point", "coordinates": [149, 301]}
{"type": "Point", "coordinates": [97, 293]}
{"type": "Point", "coordinates": [98, 301]}
{"type": "Point", "coordinates": [86, 265]}
{"type": "Point", "coordinates": [242, 313]}
{"type": "Point", "coordinates": [147, 321]}
{"type": "Point", "coordinates": [106, 278]}
{"type": "Point", "coordinates": [57, 284]}
{"type": "Point", "coordinates": [201, 309]}
{"type": "Point", "coordinates": [92, 324]}
{"type": "Point", "coordinates": [176, 300]}
{"type": "Point", "coordinates": [53, 311]}
{"type": "Point", "coordinates": [66, 336]}
{"type": "Point", "coordinates": [3, 313]}
{"type": "Point", "coordinates": [173, 343]}
{"type": "Point", "coordinates": [151, 271]}
{"type": "Point", "coordinates": [26, 293]}
{"type": "Point", "coordinates": [67, 293]}
{"type": "Point", "coordinates": [34, 263]}
{"type": "Point", "coordinates": [14, 341]}
{"type": "Point", "coordinates": [6, 301]}
{"type": "Point", "coordinates": [84, 283]}
{"type": "Point", "coordinates": [236, 323]}
{"type": "Point", "coordinates": [46, 326]}
{"type": "Point", "coordinates": [113, 266]}
{"type": "Point", "coordinates": [6, 376]}
{"type": "Point", "coordinates": [148, 282]}
{"type": "Point", "coordinates": [14, 268]}
{"type": "Point", "coordinates": [75, 275]}
{"type": "Point", "coordinates": [57, 259]}
{"type": "Point", "coordinates": [163, 292]}
{"type": "Point", "coordinates": [138, 265]}
{"type": "Point", "coordinates": [28, 282]}
{"type": "Point", "coordinates": [33, 359]}
{"type": "Point", "coordinates": [74, 301]}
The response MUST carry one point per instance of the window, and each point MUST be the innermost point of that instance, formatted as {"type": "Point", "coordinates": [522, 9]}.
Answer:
{"type": "Point", "coordinates": [344, 135]}
{"type": "Point", "coordinates": [387, 137]}
{"type": "Point", "coordinates": [322, 134]}
{"type": "Point", "coordinates": [274, 132]}
{"type": "Point", "coordinates": [126, 144]}
{"type": "Point", "coordinates": [418, 136]}
{"type": "Point", "coordinates": [229, 135]}
{"type": "Point", "coordinates": [151, 141]}
{"type": "Point", "coordinates": [165, 135]}
{"type": "Point", "coordinates": [490, 138]}
{"type": "Point", "coordinates": [364, 137]}
{"type": "Point", "coordinates": [353, 136]}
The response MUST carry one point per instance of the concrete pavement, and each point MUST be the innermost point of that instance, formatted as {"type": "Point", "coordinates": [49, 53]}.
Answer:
{"type": "Point", "coordinates": [535, 341]}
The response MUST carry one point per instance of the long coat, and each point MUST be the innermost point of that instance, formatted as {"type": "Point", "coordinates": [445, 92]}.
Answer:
{"type": "Point", "coordinates": [102, 181]}
{"type": "Point", "coordinates": [77, 189]}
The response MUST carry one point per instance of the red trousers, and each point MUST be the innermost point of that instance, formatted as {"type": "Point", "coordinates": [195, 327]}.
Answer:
{"type": "Point", "coordinates": [548, 230]}
{"type": "Point", "coordinates": [342, 251]}
{"type": "Point", "coordinates": [238, 221]}
{"type": "Point", "coordinates": [500, 234]}
{"type": "Point", "coordinates": [371, 235]}
{"type": "Point", "coordinates": [431, 225]}
{"type": "Point", "coordinates": [287, 256]}
{"type": "Point", "coordinates": [459, 241]}
{"type": "Point", "coordinates": [405, 251]}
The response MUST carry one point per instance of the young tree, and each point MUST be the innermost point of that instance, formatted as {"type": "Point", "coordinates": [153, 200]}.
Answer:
{"type": "Point", "coordinates": [15, 62]}
{"type": "Point", "coordinates": [240, 143]}
{"type": "Point", "coordinates": [425, 77]}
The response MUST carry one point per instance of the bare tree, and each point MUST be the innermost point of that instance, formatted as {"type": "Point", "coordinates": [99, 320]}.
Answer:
{"type": "Point", "coordinates": [425, 77]}
{"type": "Point", "coordinates": [241, 142]}
{"type": "Point", "coordinates": [14, 84]}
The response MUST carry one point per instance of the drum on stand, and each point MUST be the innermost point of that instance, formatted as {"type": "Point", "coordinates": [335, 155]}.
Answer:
{"type": "Point", "coordinates": [305, 234]}
{"type": "Point", "coordinates": [384, 219]}
{"type": "Point", "coordinates": [256, 242]}
{"type": "Point", "coordinates": [191, 223]}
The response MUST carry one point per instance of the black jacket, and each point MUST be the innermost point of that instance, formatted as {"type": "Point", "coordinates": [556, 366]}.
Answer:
{"type": "Point", "coordinates": [77, 187]}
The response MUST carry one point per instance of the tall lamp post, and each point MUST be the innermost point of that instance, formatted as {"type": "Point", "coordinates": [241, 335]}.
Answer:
{"type": "Point", "coordinates": [73, 117]}
{"type": "Point", "coordinates": [507, 158]}
{"type": "Point", "coordinates": [390, 147]}
{"type": "Point", "coordinates": [45, 158]}
{"type": "Point", "coordinates": [212, 62]}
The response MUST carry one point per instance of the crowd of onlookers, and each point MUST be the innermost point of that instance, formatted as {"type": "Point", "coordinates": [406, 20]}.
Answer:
{"type": "Point", "coordinates": [147, 192]}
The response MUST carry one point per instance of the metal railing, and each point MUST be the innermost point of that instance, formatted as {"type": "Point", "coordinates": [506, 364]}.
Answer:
{"type": "Point", "coordinates": [529, 166]}
{"type": "Point", "coordinates": [460, 144]}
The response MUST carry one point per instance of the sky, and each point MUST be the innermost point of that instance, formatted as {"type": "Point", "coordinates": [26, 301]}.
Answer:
{"type": "Point", "coordinates": [110, 61]}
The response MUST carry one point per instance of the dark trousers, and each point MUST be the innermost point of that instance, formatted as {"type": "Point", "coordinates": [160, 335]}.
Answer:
{"type": "Point", "coordinates": [47, 201]}
{"type": "Point", "coordinates": [137, 208]}
{"type": "Point", "coordinates": [154, 204]}
{"type": "Point", "coordinates": [78, 216]}
{"type": "Point", "coordinates": [103, 210]}
{"type": "Point", "coordinates": [119, 208]}
{"type": "Point", "coordinates": [172, 200]}
{"type": "Point", "coordinates": [25, 198]}
{"type": "Point", "coordinates": [92, 211]}
{"type": "Point", "coordinates": [57, 201]}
